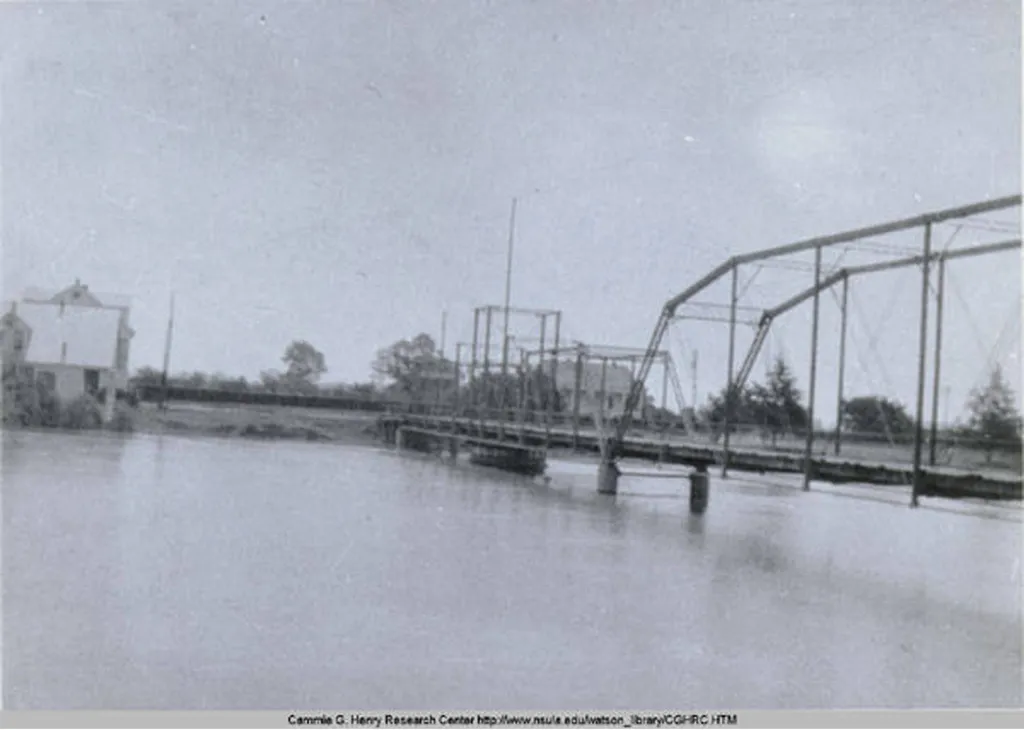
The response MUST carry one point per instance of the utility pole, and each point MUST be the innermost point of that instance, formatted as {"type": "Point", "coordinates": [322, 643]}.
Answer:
{"type": "Point", "coordinates": [167, 353]}
{"type": "Point", "coordinates": [444, 328]}
{"type": "Point", "coordinates": [508, 288]}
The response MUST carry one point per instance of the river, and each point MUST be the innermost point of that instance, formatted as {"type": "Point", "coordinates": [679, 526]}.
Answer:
{"type": "Point", "coordinates": [154, 572]}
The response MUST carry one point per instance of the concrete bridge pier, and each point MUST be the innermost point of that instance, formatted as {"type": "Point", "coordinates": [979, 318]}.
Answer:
{"type": "Point", "coordinates": [453, 448]}
{"type": "Point", "coordinates": [388, 431]}
{"type": "Point", "coordinates": [699, 491]}
{"type": "Point", "coordinates": [607, 477]}
{"type": "Point", "coordinates": [400, 437]}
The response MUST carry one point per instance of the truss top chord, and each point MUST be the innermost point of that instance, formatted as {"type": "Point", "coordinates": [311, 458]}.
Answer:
{"type": "Point", "coordinates": [518, 310]}
{"type": "Point", "coordinates": [725, 320]}
{"type": "Point", "coordinates": [720, 305]}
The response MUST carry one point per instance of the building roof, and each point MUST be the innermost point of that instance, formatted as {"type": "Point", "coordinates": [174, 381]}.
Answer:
{"type": "Point", "coordinates": [107, 299]}
{"type": "Point", "coordinates": [82, 336]}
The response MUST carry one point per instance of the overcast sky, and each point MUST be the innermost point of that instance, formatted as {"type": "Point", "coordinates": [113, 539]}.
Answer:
{"type": "Point", "coordinates": [342, 172]}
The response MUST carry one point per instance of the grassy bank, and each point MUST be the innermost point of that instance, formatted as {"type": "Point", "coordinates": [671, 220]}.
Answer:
{"type": "Point", "coordinates": [256, 422]}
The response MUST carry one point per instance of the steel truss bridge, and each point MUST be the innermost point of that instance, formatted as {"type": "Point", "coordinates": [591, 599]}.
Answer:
{"type": "Point", "coordinates": [618, 439]}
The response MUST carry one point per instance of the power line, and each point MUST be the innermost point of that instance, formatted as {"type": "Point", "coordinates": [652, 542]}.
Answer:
{"type": "Point", "coordinates": [974, 328]}
{"type": "Point", "coordinates": [971, 224]}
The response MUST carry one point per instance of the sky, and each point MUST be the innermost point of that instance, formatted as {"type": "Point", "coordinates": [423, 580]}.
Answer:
{"type": "Point", "coordinates": [343, 172]}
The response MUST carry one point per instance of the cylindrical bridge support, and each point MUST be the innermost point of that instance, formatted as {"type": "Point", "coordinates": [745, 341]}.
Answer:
{"type": "Point", "coordinates": [607, 477]}
{"type": "Point", "coordinates": [699, 491]}
{"type": "Point", "coordinates": [388, 430]}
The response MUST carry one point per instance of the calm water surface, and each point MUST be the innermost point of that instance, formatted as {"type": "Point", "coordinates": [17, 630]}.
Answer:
{"type": "Point", "coordinates": [173, 573]}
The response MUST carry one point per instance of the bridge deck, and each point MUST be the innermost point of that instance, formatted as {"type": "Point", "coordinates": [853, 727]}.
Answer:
{"type": "Point", "coordinates": [469, 440]}
{"type": "Point", "coordinates": [937, 481]}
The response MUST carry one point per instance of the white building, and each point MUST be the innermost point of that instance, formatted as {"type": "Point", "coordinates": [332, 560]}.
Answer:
{"type": "Point", "coordinates": [603, 387]}
{"type": "Point", "coordinates": [74, 340]}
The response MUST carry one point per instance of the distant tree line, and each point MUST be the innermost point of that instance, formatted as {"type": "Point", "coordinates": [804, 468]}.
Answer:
{"type": "Point", "coordinates": [410, 371]}
{"type": "Point", "coordinates": [304, 367]}
{"type": "Point", "coordinates": [414, 371]}
{"type": "Point", "coordinates": [776, 408]}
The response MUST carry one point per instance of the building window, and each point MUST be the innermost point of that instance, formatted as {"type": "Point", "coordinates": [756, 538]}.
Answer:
{"type": "Point", "coordinates": [47, 379]}
{"type": "Point", "coordinates": [92, 381]}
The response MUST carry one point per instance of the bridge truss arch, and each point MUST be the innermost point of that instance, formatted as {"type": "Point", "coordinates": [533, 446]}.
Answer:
{"type": "Point", "coordinates": [731, 267]}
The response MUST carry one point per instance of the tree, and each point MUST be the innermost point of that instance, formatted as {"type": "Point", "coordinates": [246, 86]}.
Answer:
{"type": "Point", "coordinates": [27, 401]}
{"type": "Point", "coordinates": [145, 376]}
{"type": "Point", "coordinates": [993, 414]}
{"type": "Point", "coordinates": [220, 381]}
{"type": "Point", "coordinates": [779, 401]}
{"type": "Point", "coordinates": [189, 380]}
{"type": "Point", "coordinates": [305, 364]}
{"type": "Point", "coordinates": [742, 409]}
{"type": "Point", "coordinates": [776, 405]}
{"type": "Point", "coordinates": [414, 370]}
{"type": "Point", "coordinates": [270, 381]}
{"type": "Point", "coordinates": [365, 391]}
{"type": "Point", "coordinates": [876, 415]}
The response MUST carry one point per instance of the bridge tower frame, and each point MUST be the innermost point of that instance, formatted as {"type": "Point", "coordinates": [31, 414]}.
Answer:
{"type": "Point", "coordinates": [611, 453]}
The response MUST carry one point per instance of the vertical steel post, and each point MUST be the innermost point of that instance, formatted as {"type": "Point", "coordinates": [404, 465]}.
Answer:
{"type": "Point", "coordinates": [554, 363]}
{"type": "Point", "coordinates": [922, 357]}
{"type": "Point", "coordinates": [644, 410]}
{"type": "Point", "coordinates": [456, 397]}
{"type": "Point", "coordinates": [437, 388]}
{"type": "Point", "coordinates": [487, 366]}
{"type": "Point", "coordinates": [487, 342]}
{"type": "Point", "coordinates": [842, 363]}
{"type": "Point", "coordinates": [693, 367]}
{"type": "Point", "coordinates": [544, 391]}
{"type": "Point", "coordinates": [814, 370]}
{"type": "Point", "coordinates": [728, 388]}
{"type": "Point", "coordinates": [472, 358]}
{"type": "Point", "coordinates": [576, 398]}
{"type": "Point", "coordinates": [604, 374]}
{"type": "Point", "coordinates": [542, 388]}
{"type": "Point", "coordinates": [664, 394]}
{"type": "Point", "coordinates": [524, 363]}
{"type": "Point", "coordinates": [939, 293]}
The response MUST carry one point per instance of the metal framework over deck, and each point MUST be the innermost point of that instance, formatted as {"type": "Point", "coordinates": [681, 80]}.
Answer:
{"type": "Point", "coordinates": [731, 267]}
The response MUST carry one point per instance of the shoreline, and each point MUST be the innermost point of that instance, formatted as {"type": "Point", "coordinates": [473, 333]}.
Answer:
{"type": "Point", "coordinates": [251, 423]}
{"type": "Point", "coordinates": [257, 423]}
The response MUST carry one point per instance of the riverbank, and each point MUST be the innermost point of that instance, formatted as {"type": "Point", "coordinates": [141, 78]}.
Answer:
{"type": "Point", "coordinates": [256, 422]}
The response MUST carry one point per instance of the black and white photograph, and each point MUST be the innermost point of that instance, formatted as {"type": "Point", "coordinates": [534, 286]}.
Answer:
{"type": "Point", "coordinates": [476, 363]}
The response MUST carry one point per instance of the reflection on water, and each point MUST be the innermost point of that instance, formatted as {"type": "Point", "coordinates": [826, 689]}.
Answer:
{"type": "Point", "coordinates": [177, 573]}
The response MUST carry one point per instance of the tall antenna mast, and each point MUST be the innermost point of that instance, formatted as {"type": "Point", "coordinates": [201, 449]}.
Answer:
{"type": "Point", "coordinates": [444, 328]}
{"type": "Point", "coordinates": [508, 288]}
{"type": "Point", "coordinates": [167, 352]}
